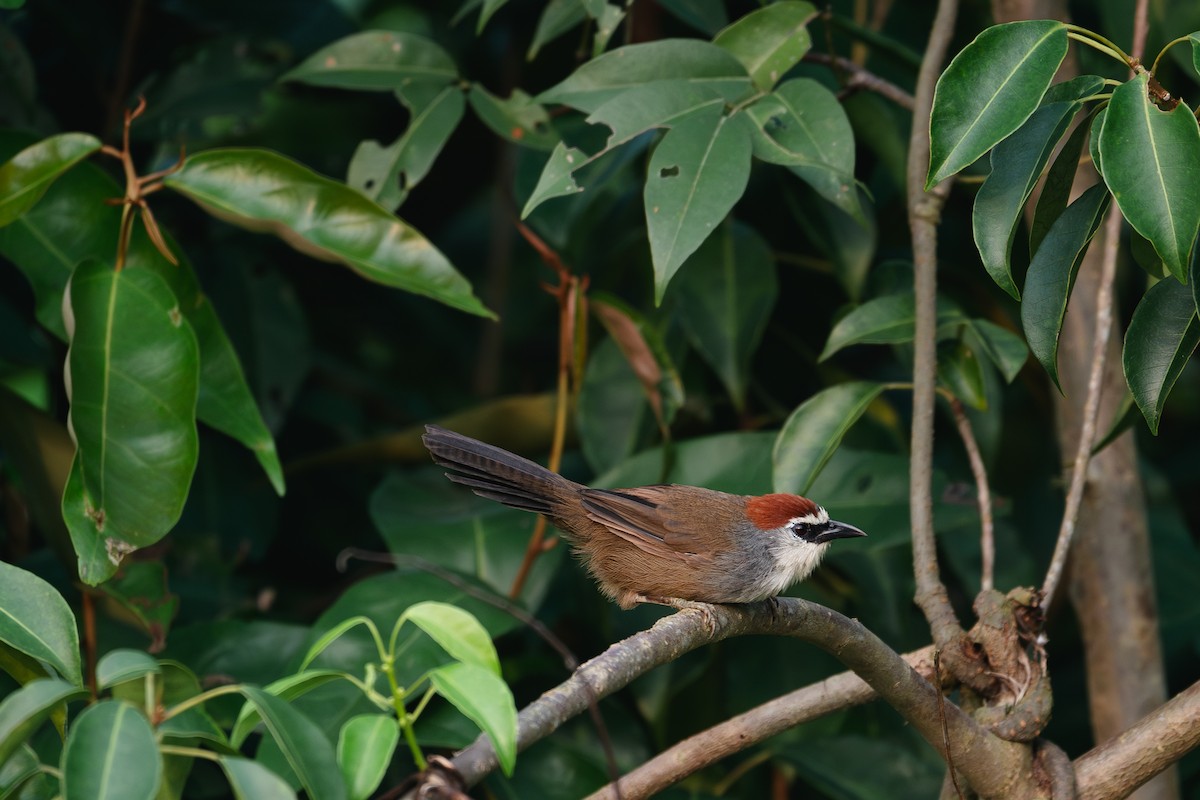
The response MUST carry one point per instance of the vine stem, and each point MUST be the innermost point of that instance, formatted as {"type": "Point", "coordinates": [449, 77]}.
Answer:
{"type": "Point", "coordinates": [1091, 407]}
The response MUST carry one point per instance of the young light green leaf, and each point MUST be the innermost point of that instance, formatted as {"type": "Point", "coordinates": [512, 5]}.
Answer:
{"type": "Point", "coordinates": [697, 173]}
{"type": "Point", "coordinates": [728, 288]}
{"type": "Point", "coordinates": [118, 666]}
{"type": "Point", "coordinates": [289, 688]}
{"type": "Point", "coordinates": [133, 376]}
{"type": "Point", "coordinates": [1006, 349]}
{"type": "Point", "coordinates": [111, 753]}
{"type": "Point", "coordinates": [989, 90]}
{"type": "Point", "coordinates": [304, 746]}
{"type": "Point", "coordinates": [486, 700]}
{"type": "Point", "coordinates": [1056, 189]}
{"type": "Point", "coordinates": [1152, 165]}
{"type": "Point", "coordinates": [376, 61]}
{"type": "Point", "coordinates": [601, 79]}
{"type": "Point", "coordinates": [801, 125]}
{"type": "Point", "coordinates": [1017, 162]}
{"type": "Point", "coordinates": [388, 174]}
{"type": "Point", "coordinates": [262, 191]}
{"type": "Point", "coordinates": [27, 175]}
{"type": "Point", "coordinates": [250, 780]}
{"type": "Point", "coordinates": [890, 319]}
{"type": "Point", "coordinates": [23, 710]}
{"type": "Point", "coordinates": [364, 751]}
{"type": "Point", "coordinates": [1052, 274]}
{"type": "Point", "coordinates": [769, 41]}
{"type": "Point", "coordinates": [815, 429]}
{"type": "Point", "coordinates": [518, 119]}
{"type": "Point", "coordinates": [1162, 335]}
{"type": "Point", "coordinates": [36, 620]}
{"type": "Point", "coordinates": [457, 631]}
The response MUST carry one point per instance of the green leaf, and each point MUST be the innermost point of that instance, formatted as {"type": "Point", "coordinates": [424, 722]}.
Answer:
{"type": "Point", "coordinates": [25, 178]}
{"type": "Point", "coordinates": [330, 636]}
{"type": "Point", "coordinates": [1152, 165]}
{"type": "Point", "coordinates": [601, 79]}
{"type": "Point", "coordinates": [959, 370]}
{"type": "Point", "coordinates": [457, 631]}
{"type": "Point", "coordinates": [484, 699]}
{"type": "Point", "coordinates": [769, 41]}
{"type": "Point", "coordinates": [890, 319]}
{"type": "Point", "coordinates": [302, 743]}
{"type": "Point", "coordinates": [36, 620]}
{"type": "Point", "coordinates": [726, 295]}
{"type": "Point", "coordinates": [518, 119]}
{"type": "Point", "coordinates": [1123, 419]}
{"type": "Point", "coordinates": [364, 751]}
{"type": "Point", "coordinates": [558, 17]}
{"type": "Point", "coordinates": [814, 430]}
{"type": "Point", "coordinates": [133, 375]}
{"type": "Point", "coordinates": [289, 688]}
{"type": "Point", "coordinates": [376, 61]}
{"type": "Point", "coordinates": [801, 125]}
{"type": "Point", "coordinates": [1194, 38]}
{"type": "Point", "coordinates": [1056, 189]}
{"type": "Point", "coordinates": [703, 15]}
{"type": "Point", "coordinates": [1094, 139]}
{"type": "Point", "coordinates": [490, 7]}
{"type": "Point", "coordinates": [1017, 162]}
{"type": "Point", "coordinates": [142, 590]}
{"type": "Point", "coordinates": [387, 174]}
{"type": "Point", "coordinates": [111, 753]}
{"type": "Point", "coordinates": [1146, 257]}
{"type": "Point", "coordinates": [1162, 335]}
{"type": "Point", "coordinates": [24, 710]}
{"type": "Point", "coordinates": [118, 666]}
{"type": "Point", "coordinates": [1052, 273]}
{"type": "Point", "coordinates": [250, 780]}
{"type": "Point", "coordinates": [989, 90]}
{"type": "Point", "coordinates": [613, 416]}
{"type": "Point", "coordinates": [1006, 349]}
{"type": "Point", "coordinates": [263, 191]}
{"type": "Point", "coordinates": [557, 179]}
{"type": "Point", "coordinates": [697, 173]}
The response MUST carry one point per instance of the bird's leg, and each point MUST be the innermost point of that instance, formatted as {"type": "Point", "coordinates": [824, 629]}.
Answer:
{"type": "Point", "coordinates": [705, 609]}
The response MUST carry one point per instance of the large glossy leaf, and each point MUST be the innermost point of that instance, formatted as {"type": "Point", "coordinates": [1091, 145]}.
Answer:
{"type": "Point", "coordinates": [22, 711]}
{"type": "Point", "coordinates": [770, 40]}
{"type": "Point", "coordinates": [388, 174]}
{"type": "Point", "coordinates": [603, 78]}
{"type": "Point", "coordinates": [989, 90]}
{"type": "Point", "coordinates": [133, 375]}
{"type": "Point", "coordinates": [36, 620]}
{"type": "Point", "coordinates": [250, 780]}
{"type": "Point", "coordinates": [376, 60]}
{"type": "Point", "coordinates": [1017, 162]}
{"type": "Point", "coordinates": [1162, 335]}
{"type": "Point", "coordinates": [801, 125]}
{"type": "Point", "coordinates": [814, 430]}
{"type": "Point", "coordinates": [111, 754]}
{"type": "Point", "coordinates": [28, 174]}
{"type": "Point", "coordinates": [1152, 165]}
{"type": "Point", "coordinates": [1052, 274]}
{"type": "Point", "coordinates": [457, 631]}
{"type": "Point", "coordinates": [1056, 189]}
{"type": "Point", "coordinates": [304, 746]}
{"type": "Point", "coordinates": [727, 290]}
{"type": "Point", "coordinates": [518, 119]}
{"type": "Point", "coordinates": [485, 699]}
{"type": "Point", "coordinates": [697, 173]}
{"type": "Point", "coordinates": [364, 751]}
{"type": "Point", "coordinates": [263, 191]}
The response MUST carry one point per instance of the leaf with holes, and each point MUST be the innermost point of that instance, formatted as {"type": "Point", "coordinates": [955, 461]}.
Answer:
{"type": "Point", "coordinates": [518, 119]}
{"type": "Point", "coordinates": [26, 176]}
{"type": "Point", "coordinates": [1052, 273]}
{"type": "Point", "coordinates": [989, 90]}
{"type": "Point", "coordinates": [376, 61]}
{"type": "Point", "coordinates": [769, 41]}
{"type": "Point", "coordinates": [1162, 335]}
{"type": "Point", "coordinates": [1152, 165]}
{"type": "Point", "coordinates": [132, 375]}
{"type": "Point", "coordinates": [814, 430]}
{"type": "Point", "coordinates": [697, 173]}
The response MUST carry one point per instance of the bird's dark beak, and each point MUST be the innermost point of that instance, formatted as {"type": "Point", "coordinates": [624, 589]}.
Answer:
{"type": "Point", "coordinates": [837, 530]}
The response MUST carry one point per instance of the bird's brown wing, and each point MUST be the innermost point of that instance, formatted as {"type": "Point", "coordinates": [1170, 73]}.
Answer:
{"type": "Point", "coordinates": [646, 519]}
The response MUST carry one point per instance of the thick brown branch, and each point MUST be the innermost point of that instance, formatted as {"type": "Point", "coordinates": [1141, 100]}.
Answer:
{"type": "Point", "coordinates": [992, 766]}
{"type": "Point", "coordinates": [745, 730]}
{"type": "Point", "coordinates": [1156, 741]}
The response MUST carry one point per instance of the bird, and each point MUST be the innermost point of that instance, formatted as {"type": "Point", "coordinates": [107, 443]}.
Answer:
{"type": "Point", "coordinates": [670, 544]}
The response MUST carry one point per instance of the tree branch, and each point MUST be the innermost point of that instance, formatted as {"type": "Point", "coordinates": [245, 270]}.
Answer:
{"type": "Point", "coordinates": [924, 210]}
{"type": "Point", "coordinates": [745, 730]}
{"type": "Point", "coordinates": [1155, 742]}
{"type": "Point", "coordinates": [992, 766]}
{"type": "Point", "coordinates": [862, 78]}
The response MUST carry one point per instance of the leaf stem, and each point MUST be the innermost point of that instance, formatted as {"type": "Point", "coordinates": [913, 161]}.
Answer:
{"type": "Point", "coordinates": [199, 699]}
{"type": "Point", "coordinates": [1098, 42]}
{"type": "Point", "coordinates": [1163, 52]}
{"type": "Point", "coordinates": [190, 752]}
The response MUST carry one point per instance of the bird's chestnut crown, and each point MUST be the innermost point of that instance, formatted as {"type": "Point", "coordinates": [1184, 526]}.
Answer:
{"type": "Point", "coordinates": [772, 511]}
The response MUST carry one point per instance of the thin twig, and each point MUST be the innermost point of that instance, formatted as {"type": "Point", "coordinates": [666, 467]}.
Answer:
{"type": "Point", "coordinates": [1141, 26]}
{"type": "Point", "coordinates": [862, 78]}
{"type": "Point", "coordinates": [987, 539]}
{"type": "Point", "coordinates": [1091, 407]}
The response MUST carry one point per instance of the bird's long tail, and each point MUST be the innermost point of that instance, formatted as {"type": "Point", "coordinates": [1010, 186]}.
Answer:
{"type": "Point", "coordinates": [495, 473]}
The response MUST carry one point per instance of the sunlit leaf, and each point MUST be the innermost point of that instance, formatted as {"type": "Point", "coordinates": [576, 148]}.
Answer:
{"type": "Point", "coordinates": [364, 752]}
{"type": "Point", "coordinates": [457, 631]}
{"type": "Point", "coordinates": [118, 666]}
{"type": "Point", "coordinates": [250, 780]}
{"type": "Point", "coordinates": [486, 700]}
{"type": "Point", "coordinates": [770, 40]}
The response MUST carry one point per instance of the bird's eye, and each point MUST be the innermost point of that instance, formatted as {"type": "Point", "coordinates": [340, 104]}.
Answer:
{"type": "Point", "coordinates": [802, 529]}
